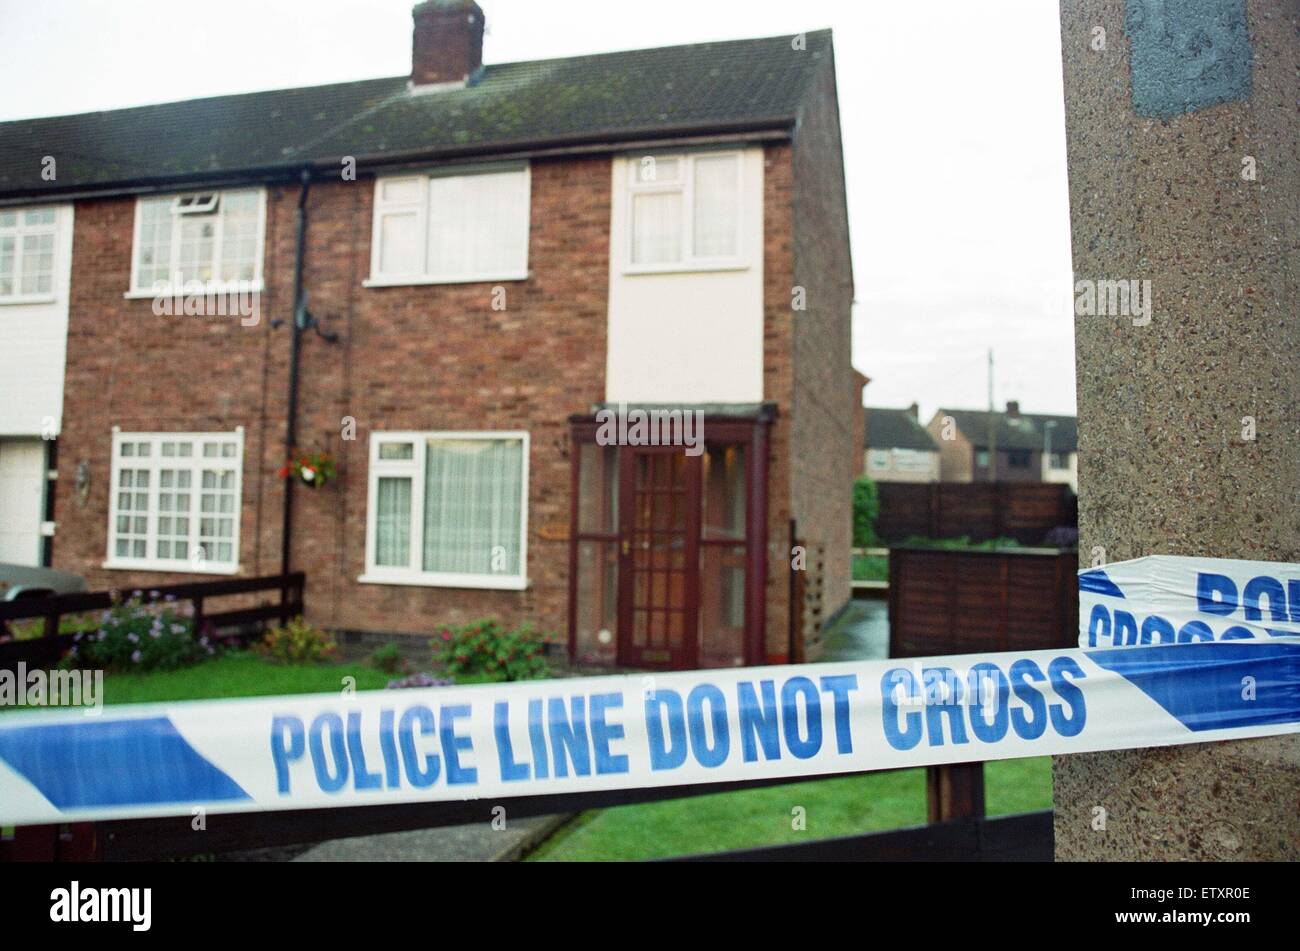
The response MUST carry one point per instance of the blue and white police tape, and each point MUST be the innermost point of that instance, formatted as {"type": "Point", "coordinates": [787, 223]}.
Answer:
{"type": "Point", "coordinates": [563, 736]}
{"type": "Point", "coordinates": [1165, 599]}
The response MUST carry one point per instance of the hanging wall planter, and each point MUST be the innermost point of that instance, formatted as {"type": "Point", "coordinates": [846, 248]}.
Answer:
{"type": "Point", "coordinates": [314, 469]}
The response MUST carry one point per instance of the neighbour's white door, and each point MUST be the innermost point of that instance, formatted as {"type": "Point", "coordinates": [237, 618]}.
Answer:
{"type": "Point", "coordinates": [22, 500]}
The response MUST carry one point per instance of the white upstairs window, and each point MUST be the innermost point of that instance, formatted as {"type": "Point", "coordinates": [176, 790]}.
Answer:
{"type": "Point", "coordinates": [451, 227]}
{"type": "Point", "coordinates": [684, 212]}
{"type": "Point", "coordinates": [448, 509]}
{"type": "Point", "coordinates": [27, 254]}
{"type": "Point", "coordinates": [175, 501]}
{"type": "Point", "coordinates": [214, 239]}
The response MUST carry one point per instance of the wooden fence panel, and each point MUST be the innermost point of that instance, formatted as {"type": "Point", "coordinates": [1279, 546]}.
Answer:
{"type": "Point", "coordinates": [954, 602]}
{"type": "Point", "coordinates": [1025, 511]}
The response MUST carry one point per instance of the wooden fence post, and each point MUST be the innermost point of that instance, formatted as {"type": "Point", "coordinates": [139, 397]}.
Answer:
{"type": "Point", "coordinates": [954, 792]}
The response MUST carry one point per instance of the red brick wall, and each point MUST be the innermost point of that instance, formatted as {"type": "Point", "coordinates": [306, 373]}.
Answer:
{"type": "Point", "coordinates": [826, 430]}
{"type": "Point", "coordinates": [778, 383]}
{"type": "Point", "coordinates": [430, 357]}
{"type": "Point", "coordinates": [414, 358]}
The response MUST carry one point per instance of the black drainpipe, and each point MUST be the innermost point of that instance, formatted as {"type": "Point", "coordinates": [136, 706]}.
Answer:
{"type": "Point", "coordinates": [295, 341]}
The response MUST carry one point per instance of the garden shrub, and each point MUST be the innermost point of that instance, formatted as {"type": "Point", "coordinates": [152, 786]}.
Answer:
{"type": "Point", "coordinates": [866, 507]}
{"type": "Point", "coordinates": [132, 635]}
{"type": "Point", "coordinates": [388, 659]}
{"type": "Point", "coordinates": [485, 651]}
{"type": "Point", "coordinates": [298, 643]}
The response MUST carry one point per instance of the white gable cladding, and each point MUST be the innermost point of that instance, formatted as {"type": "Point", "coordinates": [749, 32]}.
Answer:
{"type": "Point", "coordinates": [33, 347]}
{"type": "Point", "coordinates": [687, 335]}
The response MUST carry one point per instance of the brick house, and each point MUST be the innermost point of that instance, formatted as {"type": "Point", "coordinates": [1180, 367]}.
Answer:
{"type": "Point", "coordinates": [448, 281]}
{"type": "Point", "coordinates": [897, 447]}
{"type": "Point", "coordinates": [1024, 447]}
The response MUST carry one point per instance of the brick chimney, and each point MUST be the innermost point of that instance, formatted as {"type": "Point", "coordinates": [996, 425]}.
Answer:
{"type": "Point", "coordinates": [1013, 409]}
{"type": "Point", "coordinates": [447, 45]}
{"type": "Point", "coordinates": [915, 410]}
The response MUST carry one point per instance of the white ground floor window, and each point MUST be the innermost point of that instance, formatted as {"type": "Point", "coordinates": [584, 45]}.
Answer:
{"type": "Point", "coordinates": [175, 500]}
{"type": "Point", "coordinates": [448, 509]}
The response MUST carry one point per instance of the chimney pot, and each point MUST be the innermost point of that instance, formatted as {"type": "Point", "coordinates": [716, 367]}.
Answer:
{"type": "Point", "coordinates": [915, 410]}
{"type": "Point", "coordinates": [1013, 409]}
{"type": "Point", "coordinates": [447, 42]}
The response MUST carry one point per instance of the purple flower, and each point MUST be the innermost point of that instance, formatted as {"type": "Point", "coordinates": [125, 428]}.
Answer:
{"type": "Point", "coordinates": [133, 638]}
{"type": "Point", "coordinates": [178, 628]}
{"type": "Point", "coordinates": [170, 597]}
{"type": "Point", "coordinates": [417, 680]}
{"type": "Point", "coordinates": [136, 657]}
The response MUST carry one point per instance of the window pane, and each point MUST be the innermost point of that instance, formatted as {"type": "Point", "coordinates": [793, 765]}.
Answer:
{"type": "Point", "coordinates": [722, 605]}
{"type": "Point", "coordinates": [239, 232]}
{"type": "Point", "coordinates": [393, 523]}
{"type": "Point", "coordinates": [723, 493]}
{"type": "Point", "coordinates": [472, 506]}
{"type": "Point", "coordinates": [478, 224]}
{"type": "Point", "coordinates": [598, 489]}
{"type": "Point", "coordinates": [400, 190]}
{"type": "Point", "coordinates": [396, 450]}
{"type": "Point", "coordinates": [652, 170]}
{"type": "Point", "coordinates": [596, 607]}
{"type": "Point", "coordinates": [197, 236]}
{"type": "Point", "coordinates": [657, 228]}
{"type": "Point", "coordinates": [38, 263]}
{"type": "Point", "coordinates": [716, 206]}
{"type": "Point", "coordinates": [399, 243]}
{"type": "Point", "coordinates": [155, 242]}
{"type": "Point", "coordinates": [7, 257]}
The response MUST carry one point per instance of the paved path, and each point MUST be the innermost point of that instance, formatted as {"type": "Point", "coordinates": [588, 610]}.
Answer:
{"type": "Point", "coordinates": [477, 842]}
{"type": "Point", "coordinates": [862, 633]}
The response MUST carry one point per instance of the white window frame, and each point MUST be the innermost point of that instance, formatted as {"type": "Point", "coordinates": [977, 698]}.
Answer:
{"type": "Point", "coordinates": [155, 462]}
{"type": "Point", "coordinates": [880, 458]}
{"type": "Point", "coordinates": [414, 468]}
{"type": "Point", "coordinates": [208, 287]}
{"type": "Point", "coordinates": [686, 187]}
{"type": "Point", "coordinates": [420, 206]}
{"type": "Point", "coordinates": [18, 232]}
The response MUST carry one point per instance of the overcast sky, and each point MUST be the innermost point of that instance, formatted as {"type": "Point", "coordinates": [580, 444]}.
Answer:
{"type": "Point", "coordinates": [952, 113]}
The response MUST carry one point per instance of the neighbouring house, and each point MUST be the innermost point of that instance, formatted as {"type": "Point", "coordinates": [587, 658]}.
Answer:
{"type": "Point", "coordinates": [898, 447]}
{"type": "Point", "coordinates": [35, 273]}
{"type": "Point", "coordinates": [448, 281]}
{"type": "Point", "coordinates": [983, 446]}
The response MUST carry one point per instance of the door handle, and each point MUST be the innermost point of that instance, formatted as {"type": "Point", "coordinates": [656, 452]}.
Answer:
{"type": "Point", "coordinates": [627, 547]}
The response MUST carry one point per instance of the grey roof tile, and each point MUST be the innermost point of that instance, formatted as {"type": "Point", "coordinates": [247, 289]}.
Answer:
{"type": "Point", "coordinates": [739, 85]}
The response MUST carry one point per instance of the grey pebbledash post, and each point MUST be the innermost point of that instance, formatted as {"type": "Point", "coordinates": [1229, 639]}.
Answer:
{"type": "Point", "coordinates": [1183, 165]}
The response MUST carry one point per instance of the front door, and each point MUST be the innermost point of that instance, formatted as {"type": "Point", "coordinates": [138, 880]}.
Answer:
{"type": "Point", "coordinates": [22, 500]}
{"type": "Point", "coordinates": [659, 558]}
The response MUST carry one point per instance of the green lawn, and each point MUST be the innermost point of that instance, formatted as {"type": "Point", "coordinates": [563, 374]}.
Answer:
{"type": "Point", "coordinates": [833, 807]}
{"type": "Point", "coordinates": [870, 567]}
{"type": "Point", "coordinates": [242, 674]}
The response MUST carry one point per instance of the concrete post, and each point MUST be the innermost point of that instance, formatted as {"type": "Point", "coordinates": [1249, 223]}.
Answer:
{"type": "Point", "coordinates": [1185, 171]}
